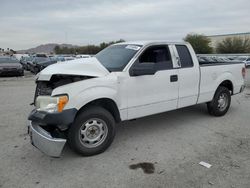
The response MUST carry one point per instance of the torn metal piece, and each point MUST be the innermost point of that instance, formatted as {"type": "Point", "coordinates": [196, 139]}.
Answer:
{"type": "Point", "coordinates": [207, 165]}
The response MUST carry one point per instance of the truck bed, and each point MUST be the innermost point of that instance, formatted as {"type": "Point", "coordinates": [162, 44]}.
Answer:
{"type": "Point", "coordinates": [212, 76]}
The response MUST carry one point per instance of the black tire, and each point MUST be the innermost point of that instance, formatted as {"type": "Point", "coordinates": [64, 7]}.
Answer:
{"type": "Point", "coordinates": [36, 70]}
{"type": "Point", "coordinates": [74, 133]}
{"type": "Point", "coordinates": [22, 73]}
{"type": "Point", "coordinates": [214, 107]}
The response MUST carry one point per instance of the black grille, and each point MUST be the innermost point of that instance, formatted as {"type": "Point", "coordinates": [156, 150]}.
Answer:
{"type": "Point", "coordinates": [42, 88]}
{"type": "Point", "coordinates": [46, 87]}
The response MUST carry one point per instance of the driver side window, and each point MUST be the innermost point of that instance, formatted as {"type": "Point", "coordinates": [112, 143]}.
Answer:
{"type": "Point", "coordinates": [159, 55]}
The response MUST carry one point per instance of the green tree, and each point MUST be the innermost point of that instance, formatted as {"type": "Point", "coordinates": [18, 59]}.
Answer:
{"type": "Point", "coordinates": [234, 45]}
{"type": "Point", "coordinates": [57, 49]}
{"type": "Point", "coordinates": [200, 43]}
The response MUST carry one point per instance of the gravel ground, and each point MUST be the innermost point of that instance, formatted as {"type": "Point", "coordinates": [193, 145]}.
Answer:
{"type": "Point", "coordinates": [163, 150]}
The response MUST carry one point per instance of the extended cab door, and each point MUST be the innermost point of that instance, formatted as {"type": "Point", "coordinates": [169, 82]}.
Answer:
{"type": "Point", "coordinates": [151, 92]}
{"type": "Point", "coordinates": [189, 75]}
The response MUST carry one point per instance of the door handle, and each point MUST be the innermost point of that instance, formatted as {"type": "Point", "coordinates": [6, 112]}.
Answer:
{"type": "Point", "coordinates": [174, 78]}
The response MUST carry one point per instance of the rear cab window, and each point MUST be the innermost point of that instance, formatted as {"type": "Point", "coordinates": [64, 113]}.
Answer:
{"type": "Point", "coordinates": [185, 56]}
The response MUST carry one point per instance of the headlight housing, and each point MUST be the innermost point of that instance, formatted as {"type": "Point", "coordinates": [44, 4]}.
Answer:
{"type": "Point", "coordinates": [51, 104]}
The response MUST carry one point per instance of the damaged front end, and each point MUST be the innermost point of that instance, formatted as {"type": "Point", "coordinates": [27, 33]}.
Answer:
{"type": "Point", "coordinates": [45, 88]}
{"type": "Point", "coordinates": [47, 123]}
{"type": "Point", "coordinates": [45, 141]}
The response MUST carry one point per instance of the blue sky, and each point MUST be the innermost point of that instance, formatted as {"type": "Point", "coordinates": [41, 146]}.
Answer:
{"type": "Point", "coordinates": [25, 24]}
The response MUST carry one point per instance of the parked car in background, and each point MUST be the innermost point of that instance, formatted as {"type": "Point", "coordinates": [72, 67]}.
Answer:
{"type": "Point", "coordinates": [205, 59]}
{"type": "Point", "coordinates": [20, 56]}
{"type": "Point", "coordinates": [25, 60]}
{"type": "Point", "coordinates": [10, 67]}
{"type": "Point", "coordinates": [241, 59]}
{"type": "Point", "coordinates": [201, 59]}
{"type": "Point", "coordinates": [232, 58]}
{"type": "Point", "coordinates": [43, 64]}
{"type": "Point", "coordinates": [83, 56]}
{"type": "Point", "coordinates": [40, 55]}
{"type": "Point", "coordinates": [68, 58]}
{"type": "Point", "coordinates": [58, 58]}
{"type": "Point", "coordinates": [220, 58]}
{"type": "Point", "coordinates": [215, 59]}
{"type": "Point", "coordinates": [32, 64]}
{"type": "Point", "coordinates": [247, 62]}
{"type": "Point", "coordinates": [223, 59]}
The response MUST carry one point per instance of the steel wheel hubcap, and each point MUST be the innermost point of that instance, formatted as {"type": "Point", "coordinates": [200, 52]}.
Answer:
{"type": "Point", "coordinates": [93, 132]}
{"type": "Point", "coordinates": [222, 102]}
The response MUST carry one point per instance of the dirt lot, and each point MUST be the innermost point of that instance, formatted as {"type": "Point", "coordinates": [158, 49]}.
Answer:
{"type": "Point", "coordinates": [167, 146]}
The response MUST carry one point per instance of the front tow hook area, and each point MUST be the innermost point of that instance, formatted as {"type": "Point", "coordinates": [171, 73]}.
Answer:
{"type": "Point", "coordinates": [43, 140]}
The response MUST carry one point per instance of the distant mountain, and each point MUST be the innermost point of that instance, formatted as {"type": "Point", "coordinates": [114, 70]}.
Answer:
{"type": "Point", "coordinates": [45, 48]}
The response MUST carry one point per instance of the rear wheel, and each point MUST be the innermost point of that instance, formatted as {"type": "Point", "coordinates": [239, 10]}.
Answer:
{"type": "Point", "coordinates": [92, 132]}
{"type": "Point", "coordinates": [220, 103]}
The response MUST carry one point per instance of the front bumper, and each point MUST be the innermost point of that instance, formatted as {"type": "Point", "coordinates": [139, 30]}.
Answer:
{"type": "Point", "coordinates": [46, 130]}
{"type": "Point", "coordinates": [11, 72]}
{"type": "Point", "coordinates": [43, 140]}
{"type": "Point", "coordinates": [60, 120]}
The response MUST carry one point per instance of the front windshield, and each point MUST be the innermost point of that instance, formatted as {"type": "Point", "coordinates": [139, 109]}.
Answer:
{"type": "Point", "coordinates": [40, 59]}
{"type": "Point", "coordinates": [116, 57]}
{"type": "Point", "coordinates": [29, 58]}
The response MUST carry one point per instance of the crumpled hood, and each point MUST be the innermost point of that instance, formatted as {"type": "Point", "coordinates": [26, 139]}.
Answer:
{"type": "Point", "coordinates": [82, 67]}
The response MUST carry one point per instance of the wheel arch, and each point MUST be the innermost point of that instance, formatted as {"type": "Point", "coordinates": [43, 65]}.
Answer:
{"type": "Point", "coordinates": [106, 103]}
{"type": "Point", "coordinates": [228, 84]}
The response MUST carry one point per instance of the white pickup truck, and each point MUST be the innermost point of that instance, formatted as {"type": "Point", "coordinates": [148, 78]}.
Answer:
{"type": "Point", "coordinates": [81, 101]}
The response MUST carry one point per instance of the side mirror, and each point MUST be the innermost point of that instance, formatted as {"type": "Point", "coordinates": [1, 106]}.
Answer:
{"type": "Point", "coordinates": [140, 69]}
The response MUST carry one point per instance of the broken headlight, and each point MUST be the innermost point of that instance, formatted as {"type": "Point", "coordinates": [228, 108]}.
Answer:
{"type": "Point", "coordinates": [51, 104]}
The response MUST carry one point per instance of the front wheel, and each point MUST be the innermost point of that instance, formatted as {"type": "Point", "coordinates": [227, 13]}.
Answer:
{"type": "Point", "coordinates": [92, 132]}
{"type": "Point", "coordinates": [220, 103]}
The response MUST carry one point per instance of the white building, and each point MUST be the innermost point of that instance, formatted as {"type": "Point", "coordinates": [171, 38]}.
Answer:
{"type": "Point", "coordinates": [215, 39]}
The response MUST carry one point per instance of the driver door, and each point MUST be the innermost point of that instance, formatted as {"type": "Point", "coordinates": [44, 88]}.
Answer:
{"type": "Point", "coordinates": [157, 92]}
